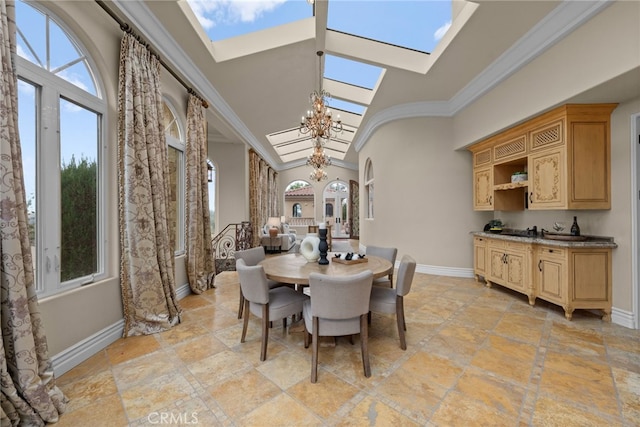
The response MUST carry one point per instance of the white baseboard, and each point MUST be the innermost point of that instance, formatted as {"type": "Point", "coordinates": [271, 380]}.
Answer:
{"type": "Point", "coordinates": [81, 351]}
{"type": "Point", "coordinates": [623, 318]}
{"type": "Point", "coordinates": [444, 271]}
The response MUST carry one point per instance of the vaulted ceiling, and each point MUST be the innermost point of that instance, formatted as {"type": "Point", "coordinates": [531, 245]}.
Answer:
{"type": "Point", "coordinates": [258, 84]}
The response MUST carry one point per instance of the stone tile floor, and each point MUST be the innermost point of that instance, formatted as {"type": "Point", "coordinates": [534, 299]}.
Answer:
{"type": "Point", "coordinates": [475, 356]}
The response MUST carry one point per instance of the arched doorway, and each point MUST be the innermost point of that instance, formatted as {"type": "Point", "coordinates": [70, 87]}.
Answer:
{"type": "Point", "coordinates": [335, 203]}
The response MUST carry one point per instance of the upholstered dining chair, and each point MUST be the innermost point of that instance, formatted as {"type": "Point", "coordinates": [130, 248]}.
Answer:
{"type": "Point", "coordinates": [267, 304]}
{"type": "Point", "coordinates": [253, 256]}
{"type": "Point", "coordinates": [391, 301]}
{"type": "Point", "coordinates": [389, 254]}
{"type": "Point", "coordinates": [338, 306]}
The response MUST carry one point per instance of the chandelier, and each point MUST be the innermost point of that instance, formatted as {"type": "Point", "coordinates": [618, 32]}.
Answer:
{"type": "Point", "coordinates": [319, 122]}
{"type": "Point", "coordinates": [321, 126]}
{"type": "Point", "coordinates": [319, 161]}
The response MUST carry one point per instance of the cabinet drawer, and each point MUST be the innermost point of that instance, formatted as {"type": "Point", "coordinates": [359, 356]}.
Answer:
{"type": "Point", "coordinates": [479, 241]}
{"type": "Point", "coordinates": [496, 243]}
{"type": "Point", "coordinates": [548, 251]}
{"type": "Point", "coordinates": [514, 246]}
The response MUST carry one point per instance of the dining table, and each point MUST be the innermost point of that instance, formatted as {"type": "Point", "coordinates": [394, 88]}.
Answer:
{"type": "Point", "coordinates": [295, 269]}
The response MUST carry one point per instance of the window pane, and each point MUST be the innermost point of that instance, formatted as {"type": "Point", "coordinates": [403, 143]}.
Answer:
{"type": "Point", "coordinates": [31, 38]}
{"type": "Point", "coordinates": [170, 123]}
{"type": "Point", "coordinates": [27, 127]}
{"type": "Point", "coordinates": [175, 159]}
{"type": "Point", "coordinates": [79, 143]}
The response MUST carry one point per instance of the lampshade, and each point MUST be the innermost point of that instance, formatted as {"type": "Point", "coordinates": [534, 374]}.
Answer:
{"type": "Point", "coordinates": [273, 221]}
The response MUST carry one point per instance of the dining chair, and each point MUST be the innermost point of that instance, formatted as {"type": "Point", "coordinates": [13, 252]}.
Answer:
{"type": "Point", "coordinates": [391, 301]}
{"type": "Point", "coordinates": [390, 255]}
{"type": "Point", "coordinates": [267, 304]}
{"type": "Point", "coordinates": [338, 306]}
{"type": "Point", "coordinates": [251, 257]}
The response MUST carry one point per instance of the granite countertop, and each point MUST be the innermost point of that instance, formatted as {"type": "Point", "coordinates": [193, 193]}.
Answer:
{"type": "Point", "coordinates": [521, 236]}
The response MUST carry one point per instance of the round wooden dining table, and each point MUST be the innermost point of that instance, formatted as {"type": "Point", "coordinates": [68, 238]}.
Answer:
{"type": "Point", "coordinates": [294, 268]}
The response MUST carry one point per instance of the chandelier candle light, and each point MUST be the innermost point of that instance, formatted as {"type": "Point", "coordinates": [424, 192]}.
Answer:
{"type": "Point", "coordinates": [319, 123]}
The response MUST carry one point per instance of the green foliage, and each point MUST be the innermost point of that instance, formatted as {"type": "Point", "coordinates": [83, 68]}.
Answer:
{"type": "Point", "coordinates": [78, 186]}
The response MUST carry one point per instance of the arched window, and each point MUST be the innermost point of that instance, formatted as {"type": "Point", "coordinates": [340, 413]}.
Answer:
{"type": "Point", "coordinates": [175, 142]}
{"type": "Point", "coordinates": [60, 116]}
{"type": "Point", "coordinates": [296, 212]}
{"type": "Point", "coordinates": [368, 187]}
{"type": "Point", "coordinates": [212, 178]}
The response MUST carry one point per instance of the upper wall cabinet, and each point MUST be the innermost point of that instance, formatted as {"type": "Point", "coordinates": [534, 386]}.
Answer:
{"type": "Point", "coordinates": [565, 153]}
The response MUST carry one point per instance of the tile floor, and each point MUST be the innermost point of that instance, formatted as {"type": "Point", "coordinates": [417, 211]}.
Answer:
{"type": "Point", "coordinates": [475, 356]}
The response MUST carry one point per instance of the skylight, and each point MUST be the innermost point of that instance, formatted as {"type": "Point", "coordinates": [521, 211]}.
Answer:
{"type": "Point", "coordinates": [352, 72]}
{"type": "Point", "coordinates": [223, 19]}
{"type": "Point", "coordinates": [417, 25]}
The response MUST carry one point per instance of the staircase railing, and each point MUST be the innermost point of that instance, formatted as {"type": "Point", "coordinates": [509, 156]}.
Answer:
{"type": "Point", "coordinates": [234, 237]}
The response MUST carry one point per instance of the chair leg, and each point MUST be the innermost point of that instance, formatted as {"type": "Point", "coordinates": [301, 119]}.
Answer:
{"type": "Point", "coordinates": [240, 305]}
{"type": "Point", "coordinates": [247, 313]}
{"type": "Point", "coordinates": [284, 326]}
{"type": "Point", "coordinates": [369, 317]}
{"type": "Point", "coordinates": [314, 351]}
{"type": "Point", "coordinates": [265, 332]}
{"type": "Point", "coordinates": [307, 335]}
{"type": "Point", "coordinates": [400, 320]}
{"type": "Point", "coordinates": [364, 344]}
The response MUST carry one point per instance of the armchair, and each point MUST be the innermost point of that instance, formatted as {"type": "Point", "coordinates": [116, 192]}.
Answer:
{"type": "Point", "coordinates": [284, 239]}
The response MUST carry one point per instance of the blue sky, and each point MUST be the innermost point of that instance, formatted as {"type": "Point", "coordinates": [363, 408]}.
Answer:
{"type": "Point", "coordinates": [416, 24]}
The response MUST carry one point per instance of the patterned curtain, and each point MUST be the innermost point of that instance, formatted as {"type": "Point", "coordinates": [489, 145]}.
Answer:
{"type": "Point", "coordinates": [146, 250]}
{"type": "Point", "coordinates": [29, 396]}
{"type": "Point", "coordinates": [199, 256]}
{"type": "Point", "coordinates": [263, 194]}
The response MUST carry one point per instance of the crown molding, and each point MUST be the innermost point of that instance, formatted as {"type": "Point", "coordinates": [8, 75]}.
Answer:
{"type": "Point", "coordinates": [153, 30]}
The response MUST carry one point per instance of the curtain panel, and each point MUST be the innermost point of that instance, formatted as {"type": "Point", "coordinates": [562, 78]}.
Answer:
{"type": "Point", "coordinates": [147, 262]}
{"type": "Point", "coordinates": [199, 254]}
{"type": "Point", "coordinates": [263, 194]}
{"type": "Point", "coordinates": [29, 395]}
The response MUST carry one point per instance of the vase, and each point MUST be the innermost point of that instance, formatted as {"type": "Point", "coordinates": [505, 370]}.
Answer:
{"type": "Point", "coordinates": [323, 247]}
{"type": "Point", "coordinates": [309, 247]}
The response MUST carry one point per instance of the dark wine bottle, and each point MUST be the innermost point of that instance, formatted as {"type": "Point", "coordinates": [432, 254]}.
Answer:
{"type": "Point", "coordinates": [575, 228]}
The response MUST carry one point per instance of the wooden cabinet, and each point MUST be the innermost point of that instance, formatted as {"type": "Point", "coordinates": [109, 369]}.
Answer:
{"type": "Point", "coordinates": [571, 277]}
{"type": "Point", "coordinates": [551, 275]}
{"type": "Point", "coordinates": [483, 189]}
{"type": "Point", "coordinates": [509, 266]}
{"type": "Point", "coordinates": [566, 153]}
{"type": "Point", "coordinates": [575, 278]}
{"type": "Point", "coordinates": [480, 257]}
{"type": "Point", "coordinates": [546, 180]}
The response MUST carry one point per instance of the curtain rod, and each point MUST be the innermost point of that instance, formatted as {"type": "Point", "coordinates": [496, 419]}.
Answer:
{"type": "Point", "coordinates": [127, 28]}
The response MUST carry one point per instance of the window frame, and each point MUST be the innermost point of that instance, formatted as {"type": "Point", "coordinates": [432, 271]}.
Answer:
{"type": "Point", "coordinates": [50, 89]}
{"type": "Point", "coordinates": [369, 188]}
{"type": "Point", "coordinates": [179, 145]}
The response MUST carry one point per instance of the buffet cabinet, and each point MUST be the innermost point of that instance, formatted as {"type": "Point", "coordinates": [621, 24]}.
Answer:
{"type": "Point", "coordinates": [566, 154]}
{"type": "Point", "coordinates": [571, 277]}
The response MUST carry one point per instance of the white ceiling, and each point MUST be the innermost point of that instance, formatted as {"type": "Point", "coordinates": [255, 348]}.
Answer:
{"type": "Point", "coordinates": [259, 84]}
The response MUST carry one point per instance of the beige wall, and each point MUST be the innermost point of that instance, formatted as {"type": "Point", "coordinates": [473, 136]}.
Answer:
{"type": "Point", "coordinates": [232, 191]}
{"type": "Point", "coordinates": [423, 193]}
{"type": "Point", "coordinates": [600, 50]}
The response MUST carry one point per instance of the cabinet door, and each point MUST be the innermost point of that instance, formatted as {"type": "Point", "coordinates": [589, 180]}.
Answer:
{"type": "Point", "coordinates": [551, 275]}
{"type": "Point", "coordinates": [547, 180]}
{"type": "Point", "coordinates": [497, 270]}
{"type": "Point", "coordinates": [516, 270]}
{"type": "Point", "coordinates": [480, 256]}
{"type": "Point", "coordinates": [483, 189]}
